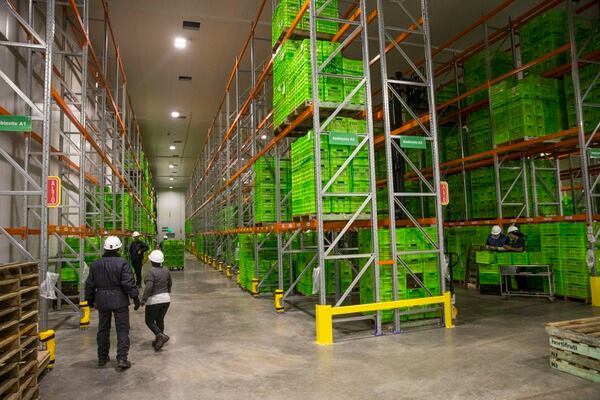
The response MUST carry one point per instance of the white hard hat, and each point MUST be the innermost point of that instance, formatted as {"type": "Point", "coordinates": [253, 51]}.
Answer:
{"type": "Point", "coordinates": [136, 234]}
{"type": "Point", "coordinates": [496, 230]}
{"type": "Point", "coordinates": [165, 237]}
{"type": "Point", "coordinates": [112, 243]}
{"type": "Point", "coordinates": [512, 229]}
{"type": "Point", "coordinates": [157, 256]}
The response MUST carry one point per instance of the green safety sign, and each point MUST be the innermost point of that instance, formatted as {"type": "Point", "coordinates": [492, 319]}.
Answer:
{"type": "Point", "coordinates": [343, 139]}
{"type": "Point", "coordinates": [15, 123]}
{"type": "Point", "coordinates": [594, 153]}
{"type": "Point", "coordinates": [413, 142]}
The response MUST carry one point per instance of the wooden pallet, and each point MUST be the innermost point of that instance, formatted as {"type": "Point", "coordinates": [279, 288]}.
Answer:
{"type": "Point", "coordinates": [575, 347]}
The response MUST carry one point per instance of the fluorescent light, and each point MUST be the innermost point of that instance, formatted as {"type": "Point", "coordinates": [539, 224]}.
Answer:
{"type": "Point", "coordinates": [172, 147]}
{"type": "Point", "coordinates": [263, 137]}
{"type": "Point", "coordinates": [170, 187]}
{"type": "Point", "coordinates": [171, 166]}
{"type": "Point", "coordinates": [181, 43]}
{"type": "Point", "coordinates": [171, 179]}
{"type": "Point", "coordinates": [175, 114]}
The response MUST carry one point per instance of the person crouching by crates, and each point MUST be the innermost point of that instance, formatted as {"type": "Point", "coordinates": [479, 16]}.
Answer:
{"type": "Point", "coordinates": [517, 244]}
{"type": "Point", "coordinates": [157, 298]}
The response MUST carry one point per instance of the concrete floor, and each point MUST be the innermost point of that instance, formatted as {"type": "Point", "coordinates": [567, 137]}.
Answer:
{"type": "Point", "coordinates": [227, 345]}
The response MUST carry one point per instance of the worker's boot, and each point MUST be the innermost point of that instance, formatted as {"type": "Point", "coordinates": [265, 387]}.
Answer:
{"type": "Point", "coordinates": [161, 339]}
{"type": "Point", "coordinates": [123, 364]}
{"type": "Point", "coordinates": [103, 360]}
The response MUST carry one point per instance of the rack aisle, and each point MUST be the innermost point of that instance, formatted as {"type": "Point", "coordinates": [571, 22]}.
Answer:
{"type": "Point", "coordinates": [82, 153]}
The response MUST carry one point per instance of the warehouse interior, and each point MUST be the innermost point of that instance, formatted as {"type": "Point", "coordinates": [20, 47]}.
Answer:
{"type": "Point", "coordinates": [326, 181]}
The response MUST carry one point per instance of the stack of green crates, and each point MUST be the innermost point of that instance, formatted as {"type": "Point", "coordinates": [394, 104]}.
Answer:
{"type": "Point", "coordinates": [564, 245]}
{"type": "Point", "coordinates": [69, 272]}
{"type": "Point", "coordinates": [264, 189]}
{"type": "Point", "coordinates": [531, 107]}
{"type": "Point", "coordinates": [292, 78]}
{"type": "Point", "coordinates": [591, 115]}
{"type": "Point", "coordinates": [267, 262]}
{"type": "Point", "coordinates": [353, 179]}
{"type": "Point", "coordinates": [173, 251]}
{"type": "Point", "coordinates": [424, 266]}
{"type": "Point", "coordinates": [475, 71]}
{"type": "Point", "coordinates": [545, 33]}
{"type": "Point", "coordinates": [287, 10]}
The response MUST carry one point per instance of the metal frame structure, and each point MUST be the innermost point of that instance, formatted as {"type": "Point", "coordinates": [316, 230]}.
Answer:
{"type": "Point", "coordinates": [89, 137]}
{"type": "Point", "coordinates": [220, 176]}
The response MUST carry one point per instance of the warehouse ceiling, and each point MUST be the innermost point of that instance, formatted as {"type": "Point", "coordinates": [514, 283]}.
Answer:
{"type": "Point", "coordinates": [146, 31]}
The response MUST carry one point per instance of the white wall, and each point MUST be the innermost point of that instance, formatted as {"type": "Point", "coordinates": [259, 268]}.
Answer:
{"type": "Point", "coordinates": [171, 212]}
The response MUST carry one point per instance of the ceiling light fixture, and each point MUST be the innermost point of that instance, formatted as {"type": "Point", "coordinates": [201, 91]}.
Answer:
{"type": "Point", "coordinates": [170, 187]}
{"type": "Point", "coordinates": [181, 43]}
{"type": "Point", "coordinates": [171, 166]}
{"type": "Point", "coordinates": [171, 179]}
{"type": "Point", "coordinates": [175, 114]}
{"type": "Point", "coordinates": [263, 137]}
{"type": "Point", "coordinates": [172, 147]}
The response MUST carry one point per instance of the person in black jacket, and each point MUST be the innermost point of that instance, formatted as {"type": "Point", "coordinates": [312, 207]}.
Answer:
{"type": "Point", "coordinates": [157, 298]}
{"type": "Point", "coordinates": [137, 248]}
{"type": "Point", "coordinates": [108, 288]}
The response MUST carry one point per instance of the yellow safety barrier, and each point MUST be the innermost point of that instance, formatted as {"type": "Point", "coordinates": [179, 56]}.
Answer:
{"type": "Point", "coordinates": [49, 339]}
{"type": "Point", "coordinates": [595, 289]}
{"type": "Point", "coordinates": [214, 263]}
{"type": "Point", "coordinates": [238, 278]}
{"type": "Point", "coordinates": [255, 287]}
{"type": "Point", "coordinates": [325, 313]}
{"type": "Point", "coordinates": [220, 266]}
{"type": "Point", "coordinates": [279, 300]}
{"type": "Point", "coordinates": [228, 271]}
{"type": "Point", "coordinates": [84, 322]}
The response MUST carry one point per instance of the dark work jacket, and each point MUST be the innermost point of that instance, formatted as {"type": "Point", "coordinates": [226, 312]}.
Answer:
{"type": "Point", "coordinates": [135, 247]}
{"type": "Point", "coordinates": [157, 280]}
{"type": "Point", "coordinates": [110, 283]}
{"type": "Point", "coordinates": [500, 242]}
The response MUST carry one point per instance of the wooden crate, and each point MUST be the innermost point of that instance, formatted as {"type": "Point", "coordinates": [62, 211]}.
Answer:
{"type": "Point", "coordinates": [575, 347]}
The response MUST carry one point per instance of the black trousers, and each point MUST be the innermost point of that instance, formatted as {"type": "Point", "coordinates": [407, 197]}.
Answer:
{"type": "Point", "coordinates": [136, 263]}
{"type": "Point", "coordinates": [155, 317]}
{"type": "Point", "coordinates": [121, 324]}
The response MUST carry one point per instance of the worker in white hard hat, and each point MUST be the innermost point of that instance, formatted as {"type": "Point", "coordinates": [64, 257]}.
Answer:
{"type": "Point", "coordinates": [517, 244]}
{"type": "Point", "coordinates": [517, 240]}
{"type": "Point", "coordinates": [496, 240]}
{"type": "Point", "coordinates": [137, 248]}
{"type": "Point", "coordinates": [157, 298]}
{"type": "Point", "coordinates": [108, 288]}
{"type": "Point", "coordinates": [165, 237]}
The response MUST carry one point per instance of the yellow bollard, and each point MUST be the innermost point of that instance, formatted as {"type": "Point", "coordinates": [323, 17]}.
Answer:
{"type": "Point", "coordinates": [228, 272]}
{"type": "Point", "coordinates": [324, 324]}
{"type": "Point", "coordinates": [49, 339]}
{"type": "Point", "coordinates": [254, 287]}
{"type": "Point", "coordinates": [238, 279]}
{"type": "Point", "coordinates": [220, 266]}
{"type": "Point", "coordinates": [214, 263]}
{"type": "Point", "coordinates": [84, 322]}
{"type": "Point", "coordinates": [595, 289]}
{"type": "Point", "coordinates": [448, 310]}
{"type": "Point", "coordinates": [279, 300]}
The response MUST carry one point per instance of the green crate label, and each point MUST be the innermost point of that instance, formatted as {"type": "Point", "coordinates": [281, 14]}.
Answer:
{"type": "Point", "coordinates": [413, 142]}
{"type": "Point", "coordinates": [343, 139]}
{"type": "Point", "coordinates": [594, 153]}
{"type": "Point", "coordinates": [15, 123]}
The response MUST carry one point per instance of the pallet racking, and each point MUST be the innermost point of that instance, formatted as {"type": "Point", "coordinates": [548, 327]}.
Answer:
{"type": "Point", "coordinates": [223, 173]}
{"type": "Point", "coordinates": [84, 131]}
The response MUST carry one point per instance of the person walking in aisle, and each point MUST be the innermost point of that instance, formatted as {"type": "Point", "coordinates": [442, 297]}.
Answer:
{"type": "Point", "coordinates": [136, 252]}
{"type": "Point", "coordinates": [157, 298]}
{"type": "Point", "coordinates": [165, 238]}
{"type": "Point", "coordinates": [108, 288]}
